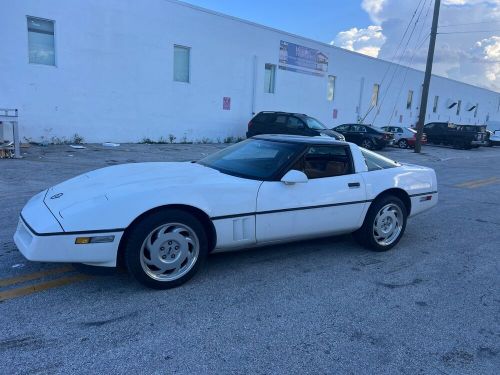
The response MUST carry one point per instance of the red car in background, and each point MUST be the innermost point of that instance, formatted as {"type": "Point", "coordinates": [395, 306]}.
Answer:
{"type": "Point", "coordinates": [404, 137]}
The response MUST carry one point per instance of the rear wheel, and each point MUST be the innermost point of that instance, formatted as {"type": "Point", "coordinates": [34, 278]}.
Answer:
{"type": "Point", "coordinates": [403, 143]}
{"type": "Point", "coordinates": [384, 224]}
{"type": "Point", "coordinates": [367, 143]}
{"type": "Point", "coordinates": [166, 249]}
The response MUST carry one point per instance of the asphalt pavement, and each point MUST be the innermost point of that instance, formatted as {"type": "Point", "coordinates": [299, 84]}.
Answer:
{"type": "Point", "coordinates": [429, 306]}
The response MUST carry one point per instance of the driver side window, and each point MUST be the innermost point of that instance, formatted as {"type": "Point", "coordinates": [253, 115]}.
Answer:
{"type": "Point", "coordinates": [325, 161]}
{"type": "Point", "coordinates": [295, 123]}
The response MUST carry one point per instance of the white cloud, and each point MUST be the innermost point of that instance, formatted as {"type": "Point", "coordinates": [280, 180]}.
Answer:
{"type": "Point", "coordinates": [374, 8]}
{"type": "Point", "coordinates": [487, 52]}
{"type": "Point", "coordinates": [367, 41]}
{"type": "Point", "coordinates": [466, 56]}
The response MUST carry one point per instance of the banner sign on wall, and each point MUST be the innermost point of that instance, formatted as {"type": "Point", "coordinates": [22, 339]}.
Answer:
{"type": "Point", "coordinates": [300, 59]}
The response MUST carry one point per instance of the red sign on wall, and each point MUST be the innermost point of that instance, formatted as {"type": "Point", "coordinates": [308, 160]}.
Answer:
{"type": "Point", "coordinates": [335, 113]}
{"type": "Point", "coordinates": [226, 103]}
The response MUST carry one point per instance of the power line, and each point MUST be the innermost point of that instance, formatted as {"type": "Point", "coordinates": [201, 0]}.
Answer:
{"type": "Point", "coordinates": [395, 53]}
{"type": "Point", "coordinates": [410, 66]}
{"type": "Point", "coordinates": [403, 53]}
{"type": "Point", "coordinates": [470, 32]}
{"type": "Point", "coordinates": [468, 23]}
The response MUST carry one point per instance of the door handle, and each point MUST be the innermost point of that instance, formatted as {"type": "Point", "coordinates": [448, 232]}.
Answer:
{"type": "Point", "coordinates": [353, 185]}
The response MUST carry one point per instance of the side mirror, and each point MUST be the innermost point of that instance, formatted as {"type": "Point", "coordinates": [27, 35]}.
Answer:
{"type": "Point", "coordinates": [294, 177]}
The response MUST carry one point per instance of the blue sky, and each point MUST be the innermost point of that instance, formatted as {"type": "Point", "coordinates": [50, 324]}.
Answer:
{"type": "Point", "coordinates": [321, 20]}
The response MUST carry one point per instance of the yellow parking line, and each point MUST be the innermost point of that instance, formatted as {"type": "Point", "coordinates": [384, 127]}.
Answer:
{"type": "Point", "coordinates": [34, 276]}
{"type": "Point", "coordinates": [478, 183]}
{"type": "Point", "coordinates": [18, 292]}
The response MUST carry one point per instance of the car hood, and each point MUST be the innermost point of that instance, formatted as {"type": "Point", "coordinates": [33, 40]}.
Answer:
{"type": "Point", "coordinates": [100, 185]}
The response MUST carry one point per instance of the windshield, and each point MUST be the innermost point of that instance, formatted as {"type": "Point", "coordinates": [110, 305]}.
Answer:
{"type": "Point", "coordinates": [312, 123]}
{"type": "Point", "coordinates": [254, 158]}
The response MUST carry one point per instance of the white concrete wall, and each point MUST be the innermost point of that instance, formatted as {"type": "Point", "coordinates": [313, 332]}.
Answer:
{"type": "Point", "coordinates": [114, 75]}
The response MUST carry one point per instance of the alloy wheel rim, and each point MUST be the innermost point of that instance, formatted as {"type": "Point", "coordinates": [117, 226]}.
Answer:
{"type": "Point", "coordinates": [169, 252]}
{"type": "Point", "coordinates": [366, 144]}
{"type": "Point", "coordinates": [388, 224]}
{"type": "Point", "coordinates": [402, 143]}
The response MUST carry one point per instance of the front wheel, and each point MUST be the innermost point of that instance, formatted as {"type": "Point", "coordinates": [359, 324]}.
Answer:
{"type": "Point", "coordinates": [384, 224]}
{"type": "Point", "coordinates": [367, 143]}
{"type": "Point", "coordinates": [166, 248]}
{"type": "Point", "coordinates": [403, 143]}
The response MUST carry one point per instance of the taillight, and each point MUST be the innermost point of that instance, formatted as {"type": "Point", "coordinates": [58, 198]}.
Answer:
{"type": "Point", "coordinates": [250, 125]}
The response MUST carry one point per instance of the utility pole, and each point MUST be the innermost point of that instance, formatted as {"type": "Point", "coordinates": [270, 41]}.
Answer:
{"type": "Point", "coordinates": [427, 78]}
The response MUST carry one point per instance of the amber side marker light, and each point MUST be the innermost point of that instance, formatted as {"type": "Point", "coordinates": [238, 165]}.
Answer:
{"type": "Point", "coordinates": [98, 239]}
{"type": "Point", "coordinates": [426, 198]}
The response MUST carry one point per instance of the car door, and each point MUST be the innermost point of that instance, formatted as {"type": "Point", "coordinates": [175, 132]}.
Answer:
{"type": "Point", "coordinates": [358, 133]}
{"type": "Point", "coordinates": [331, 201]}
{"type": "Point", "coordinates": [272, 123]}
{"type": "Point", "coordinates": [430, 131]}
{"type": "Point", "coordinates": [296, 126]}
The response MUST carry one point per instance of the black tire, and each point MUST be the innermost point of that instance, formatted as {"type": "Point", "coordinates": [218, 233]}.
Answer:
{"type": "Point", "coordinates": [367, 143]}
{"type": "Point", "coordinates": [403, 143]}
{"type": "Point", "coordinates": [365, 235]}
{"type": "Point", "coordinates": [139, 232]}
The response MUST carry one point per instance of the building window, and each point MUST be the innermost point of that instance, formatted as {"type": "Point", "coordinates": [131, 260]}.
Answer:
{"type": "Point", "coordinates": [376, 89]}
{"type": "Point", "coordinates": [459, 104]}
{"type": "Point", "coordinates": [181, 63]}
{"type": "Point", "coordinates": [331, 88]}
{"type": "Point", "coordinates": [409, 100]}
{"type": "Point", "coordinates": [41, 41]}
{"type": "Point", "coordinates": [270, 78]}
{"type": "Point", "coordinates": [435, 106]}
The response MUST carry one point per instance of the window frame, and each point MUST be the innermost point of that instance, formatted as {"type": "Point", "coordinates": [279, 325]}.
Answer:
{"type": "Point", "coordinates": [330, 88]}
{"type": "Point", "coordinates": [366, 153]}
{"type": "Point", "coordinates": [375, 95]}
{"type": "Point", "coordinates": [409, 99]}
{"type": "Point", "coordinates": [272, 87]}
{"type": "Point", "coordinates": [352, 169]}
{"type": "Point", "coordinates": [435, 104]}
{"type": "Point", "coordinates": [28, 17]}
{"type": "Point", "coordinates": [189, 63]}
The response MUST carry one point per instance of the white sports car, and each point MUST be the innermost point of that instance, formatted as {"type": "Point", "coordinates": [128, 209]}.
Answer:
{"type": "Point", "coordinates": [161, 220]}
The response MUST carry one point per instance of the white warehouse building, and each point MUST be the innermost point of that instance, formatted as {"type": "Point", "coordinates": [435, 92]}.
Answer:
{"type": "Point", "coordinates": [125, 70]}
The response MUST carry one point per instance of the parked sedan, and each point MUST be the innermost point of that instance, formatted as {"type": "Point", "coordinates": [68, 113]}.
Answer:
{"type": "Point", "coordinates": [365, 136]}
{"type": "Point", "coordinates": [493, 138]}
{"type": "Point", "coordinates": [404, 137]}
{"type": "Point", "coordinates": [162, 219]}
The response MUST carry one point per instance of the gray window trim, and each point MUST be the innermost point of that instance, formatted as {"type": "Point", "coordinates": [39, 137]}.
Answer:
{"type": "Point", "coordinates": [28, 43]}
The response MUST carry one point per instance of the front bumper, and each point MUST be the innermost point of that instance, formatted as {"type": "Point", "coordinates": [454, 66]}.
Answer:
{"type": "Point", "coordinates": [61, 247]}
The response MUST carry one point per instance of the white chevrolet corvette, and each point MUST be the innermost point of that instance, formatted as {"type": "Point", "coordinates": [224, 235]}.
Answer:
{"type": "Point", "coordinates": [161, 220]}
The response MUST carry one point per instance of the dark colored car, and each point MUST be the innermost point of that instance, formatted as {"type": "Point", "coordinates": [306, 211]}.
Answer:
{"type": "Point", "coordinates": [458, 136]}
{"type": "Point", "coordinates": [365, 136]}
{"type": "Point", "coordinates": [289, 123]}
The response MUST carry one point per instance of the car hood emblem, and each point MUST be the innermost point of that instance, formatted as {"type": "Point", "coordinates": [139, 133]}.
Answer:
{"type": "Point", "coordinates": [58, 195]}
